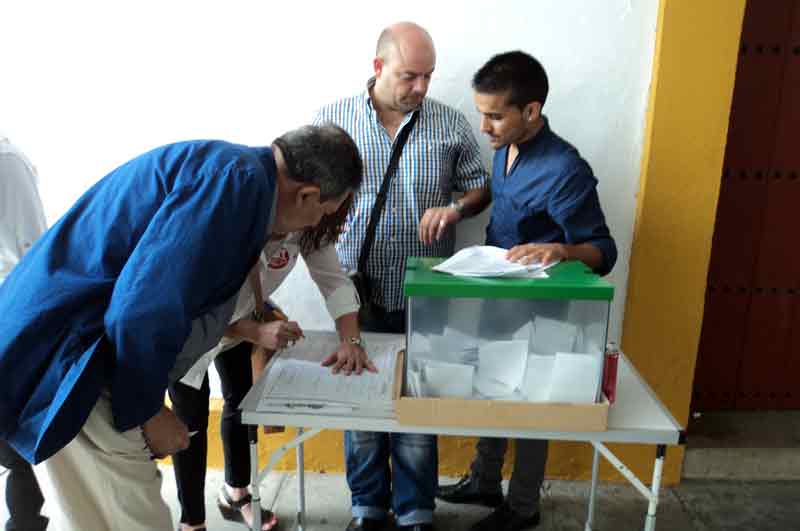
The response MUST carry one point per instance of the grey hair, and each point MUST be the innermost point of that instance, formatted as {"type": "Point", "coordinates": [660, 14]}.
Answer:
{"type": "Point", "coordinates": [323, 155]}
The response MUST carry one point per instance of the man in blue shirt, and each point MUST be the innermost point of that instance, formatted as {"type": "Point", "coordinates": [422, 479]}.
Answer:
{"type": "Point", "coordinates": [127, 291]}
{"type": "Point", "coordinates": [545, 209]}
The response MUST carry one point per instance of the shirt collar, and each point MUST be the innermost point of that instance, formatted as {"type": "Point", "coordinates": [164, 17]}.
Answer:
{"type": "Point", "coordinates": [368, 96]}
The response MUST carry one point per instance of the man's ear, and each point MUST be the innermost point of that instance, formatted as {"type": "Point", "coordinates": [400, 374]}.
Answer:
{"type": "Point", "coordinates": [308, 195]}
{"type": "Point", "coordinates": [377, 66]}
{"type": "Point", "coordinates": [533, 111]}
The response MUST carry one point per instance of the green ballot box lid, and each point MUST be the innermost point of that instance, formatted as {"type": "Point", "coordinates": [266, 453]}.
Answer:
{"type": "Point", "coordinates": [566, 281]}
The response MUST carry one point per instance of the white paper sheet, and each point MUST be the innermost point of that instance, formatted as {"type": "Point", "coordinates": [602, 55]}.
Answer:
{"type": "Point", "coordinates": [551, 336]}
{"type": "Point", "coordinates": [490, 388]}
{"type": "Point", "coordinates": [419, 343]}
{"type": "Point", "coordinates": [447, 379]}
{"type": "Point", "coordinates": [488, 261]}
{"type": "Point", "coordinates": [538, 378]}
{"type": "Point", "coordinates": [414, 384]}
{"type": "Point", "coordinates": [575, 378]}
{"type": "Point", "coordinates": [453, 346]}
{"type": "Point", "coordinates": [503, 362]}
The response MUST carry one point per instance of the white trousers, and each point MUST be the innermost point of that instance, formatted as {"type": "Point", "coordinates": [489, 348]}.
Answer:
{"type": "Point", "coordinates": [104, 480]}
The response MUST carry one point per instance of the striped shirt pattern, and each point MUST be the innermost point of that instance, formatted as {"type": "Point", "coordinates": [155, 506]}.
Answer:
{"type": "Point", "coordinates": [440, 156]}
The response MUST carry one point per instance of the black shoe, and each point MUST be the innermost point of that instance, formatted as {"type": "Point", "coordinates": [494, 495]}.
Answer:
{"type": "Point", "coordinates": [366, 524]}
{"type": "Point", "coordinates": [466, 491]}
{"type": "Point", "coordinates": [416, 527]}
{"type": "Point", "coordinates": [504, 518]}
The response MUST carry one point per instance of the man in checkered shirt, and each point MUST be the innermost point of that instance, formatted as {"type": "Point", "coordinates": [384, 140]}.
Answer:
{"type": "Point", "coordinates": [441, 156]}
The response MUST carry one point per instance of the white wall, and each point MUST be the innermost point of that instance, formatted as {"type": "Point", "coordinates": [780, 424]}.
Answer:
{"type": "Point", "coordinates": [88, 85]}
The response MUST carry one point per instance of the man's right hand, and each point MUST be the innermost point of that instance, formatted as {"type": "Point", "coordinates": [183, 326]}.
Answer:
{"type": "Point", "coordinates": [165, 434]}
{"type": "Point", "coordinates": [277, 335]}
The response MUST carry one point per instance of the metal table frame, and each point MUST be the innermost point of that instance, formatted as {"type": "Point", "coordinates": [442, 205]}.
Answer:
{"type": "Point", "coordinates": [637, 416]}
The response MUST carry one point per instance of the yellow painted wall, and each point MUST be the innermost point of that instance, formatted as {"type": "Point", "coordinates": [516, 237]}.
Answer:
{"type": "Point", "coordinates": [687, 121]}
{"type": "Point", "coordinates": [687, 126]}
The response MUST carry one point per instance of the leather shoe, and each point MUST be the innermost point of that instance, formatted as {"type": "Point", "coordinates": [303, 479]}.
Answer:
{"type": "Point", "coordinates": [504, 518]}
{"type": "Point", "coordinates": [366, 524]}
{"type": "Point", "coordinates": [466, 491]}
{"type": "Point", "coordinates": [416, 527]}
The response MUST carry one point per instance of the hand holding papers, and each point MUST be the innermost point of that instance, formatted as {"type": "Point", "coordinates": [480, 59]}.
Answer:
{"type": "Point", "coordinates": [488, 261]}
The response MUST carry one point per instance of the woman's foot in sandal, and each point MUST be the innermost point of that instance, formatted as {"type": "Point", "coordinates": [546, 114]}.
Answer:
{"type": "Point", "coordinates": [187, 527]}
{"type": "Point", "coordinates": [234, 505]}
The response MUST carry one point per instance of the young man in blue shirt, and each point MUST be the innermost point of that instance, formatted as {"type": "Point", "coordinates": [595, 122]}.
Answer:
{"type": "Point", "coordinates": [545, 209]}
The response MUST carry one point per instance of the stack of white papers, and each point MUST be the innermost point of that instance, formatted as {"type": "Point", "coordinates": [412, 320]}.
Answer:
{"type": "Point", "coordinates": [296, 382]}
{"type": "Point", "coordinates": [488, 261]}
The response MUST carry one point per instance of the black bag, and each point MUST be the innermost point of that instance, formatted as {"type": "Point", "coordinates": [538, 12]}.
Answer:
{"type": "Point", "coordinates": [359, 277]}
{"type": "Point", "coordinates": [361, 283]}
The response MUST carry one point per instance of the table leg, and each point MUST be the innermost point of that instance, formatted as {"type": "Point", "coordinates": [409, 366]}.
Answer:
{"type": "Point", "coordinates": [593, 488]}
{"type": "Point", "coordinates": [301, 484]}
{"type": "Point", "coordinates": [633, 480]}
{"type": "Point", "coordinates": [258, 477]}
{"type": "Point", "coordinates": [650, 521]}
{"type": "Point", "coordinates": [255, 484]}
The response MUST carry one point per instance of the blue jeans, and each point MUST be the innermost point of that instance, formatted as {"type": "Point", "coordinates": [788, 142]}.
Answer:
{"type": "Point", "coordinates": [410, 484]}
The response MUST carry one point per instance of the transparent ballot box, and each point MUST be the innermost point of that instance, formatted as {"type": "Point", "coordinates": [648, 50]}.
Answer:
{"type": "Point", "coordinates": [507, 345]}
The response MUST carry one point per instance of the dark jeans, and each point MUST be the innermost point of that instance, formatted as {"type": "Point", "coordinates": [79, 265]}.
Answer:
{"type": "Point", "coordinates": [191, 406]}
{"type": "Point", "coordinates": [526, 479]}
{"type": "Point", "coordinates": [409, 486]}
{"type": "Point", "coordinates": [23, 497]}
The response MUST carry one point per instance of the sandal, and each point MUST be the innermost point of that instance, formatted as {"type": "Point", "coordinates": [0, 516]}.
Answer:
{"type": "Point", "coordinates": [233, 510]}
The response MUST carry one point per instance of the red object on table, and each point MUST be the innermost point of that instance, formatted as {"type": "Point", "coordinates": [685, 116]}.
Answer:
{"type": "Point", "coordinates": [610, 372]}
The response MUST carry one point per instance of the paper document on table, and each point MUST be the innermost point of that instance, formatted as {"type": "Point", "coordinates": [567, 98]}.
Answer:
{"type": "Point", "coordinates": [296, 381]}
{"type": "Point", "coordinates": [489, 261]}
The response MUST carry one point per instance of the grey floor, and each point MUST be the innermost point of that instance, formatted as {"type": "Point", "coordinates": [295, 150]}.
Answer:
{"type": "Point", "coordinates": [733, 463]}
{"type": "Point", "coordinates": [695, 505]}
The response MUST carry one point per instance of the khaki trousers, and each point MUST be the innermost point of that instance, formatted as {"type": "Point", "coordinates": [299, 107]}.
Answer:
{"type": "Point", "coordinates": [104, 480]}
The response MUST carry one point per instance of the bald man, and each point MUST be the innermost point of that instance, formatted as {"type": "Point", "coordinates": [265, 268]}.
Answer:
{"type": "Point", "coordinates": [440, 157]}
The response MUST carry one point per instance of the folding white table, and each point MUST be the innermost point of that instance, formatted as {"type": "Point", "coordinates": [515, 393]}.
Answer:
{"type": "Point", "coordinates": [637, 416]}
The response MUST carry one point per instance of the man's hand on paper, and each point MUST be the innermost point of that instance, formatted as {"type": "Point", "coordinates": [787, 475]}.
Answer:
{"type": "Point", "coordinates": [349, 358]}
{"type": "Point", "coordinates": [165, 434]}
{"type": "Point", "coordinates": [277, 335]}
{"type": "Point", "coordinates": [545, 253]}
{"type": "Point", "coordinates": [435, 221]}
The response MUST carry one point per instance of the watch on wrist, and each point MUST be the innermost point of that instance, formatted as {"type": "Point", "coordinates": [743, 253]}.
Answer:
{"type": "Point", "coordinates": [355, 340]}
{"type": "Point", "coordinates": [458, 206]}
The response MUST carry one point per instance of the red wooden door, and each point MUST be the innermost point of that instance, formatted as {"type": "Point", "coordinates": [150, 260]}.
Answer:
{"type": "Point", "coordinates": [749, 353]}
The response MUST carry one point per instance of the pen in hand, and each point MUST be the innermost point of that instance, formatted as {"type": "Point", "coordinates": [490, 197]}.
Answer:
{"type": "Point", "coordinates": [296, 330]}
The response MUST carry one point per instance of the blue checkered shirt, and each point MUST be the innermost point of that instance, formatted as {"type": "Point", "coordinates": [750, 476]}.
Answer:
{"type": "Point", "coordinates": [440, 156]}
